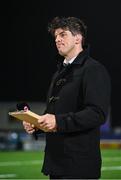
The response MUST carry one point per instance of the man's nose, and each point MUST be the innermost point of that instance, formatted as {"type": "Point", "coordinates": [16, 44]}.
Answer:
{"type": "Point", "coordinates": [58, 39]}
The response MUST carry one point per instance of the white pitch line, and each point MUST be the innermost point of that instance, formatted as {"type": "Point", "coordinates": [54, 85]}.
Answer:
{"type": "Point", "coordinates": [110, 168]}
{"type": "Point", "coordinates": [7, 175]}
{"type": "Point", "coordinates": [20, 163]}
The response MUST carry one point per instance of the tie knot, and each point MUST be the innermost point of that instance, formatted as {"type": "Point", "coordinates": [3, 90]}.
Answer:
{"type": "Point", "coordinates": [65, 64]}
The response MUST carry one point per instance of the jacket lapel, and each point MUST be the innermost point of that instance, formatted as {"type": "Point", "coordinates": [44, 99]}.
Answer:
{"type": "Point", "coordinates": [58, 79]}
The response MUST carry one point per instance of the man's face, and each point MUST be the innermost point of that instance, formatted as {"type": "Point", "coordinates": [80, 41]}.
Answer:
{"type": "Point", "coordinates": [65, 42]}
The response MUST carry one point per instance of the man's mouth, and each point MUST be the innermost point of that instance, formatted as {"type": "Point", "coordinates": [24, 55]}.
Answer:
{"type": "Point", "coordinates": [59, 45]}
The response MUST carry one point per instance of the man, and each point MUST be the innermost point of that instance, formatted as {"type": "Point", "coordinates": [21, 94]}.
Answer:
{"type": "Point", "coordinates": [77, 104]}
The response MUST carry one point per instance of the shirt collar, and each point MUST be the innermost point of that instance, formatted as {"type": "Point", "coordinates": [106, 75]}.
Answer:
{"type": "Point", "coordinates": [69, 61]}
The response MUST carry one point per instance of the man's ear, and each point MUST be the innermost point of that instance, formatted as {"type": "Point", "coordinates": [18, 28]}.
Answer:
{"type": "Point", "coordinates": [78, 38]}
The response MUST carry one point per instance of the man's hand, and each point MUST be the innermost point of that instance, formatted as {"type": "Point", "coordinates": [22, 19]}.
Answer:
{"type": "Point", "coordinates": [47, 123]}
{"type": "Point", "coordinates": [28, 127]}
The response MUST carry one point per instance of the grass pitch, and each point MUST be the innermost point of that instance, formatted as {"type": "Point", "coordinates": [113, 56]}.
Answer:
{"type": "Point", "coordinates": [27, 165]}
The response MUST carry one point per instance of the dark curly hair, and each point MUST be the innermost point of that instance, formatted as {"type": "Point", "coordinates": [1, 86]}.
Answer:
{"type": "Point", "coordinates": [73, 24]}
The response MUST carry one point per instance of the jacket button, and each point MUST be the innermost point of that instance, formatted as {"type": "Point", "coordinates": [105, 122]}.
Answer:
{"type": "Point", "coordinates": [53, 99]}
{"type": "Point", "coordinates": [60, 82]}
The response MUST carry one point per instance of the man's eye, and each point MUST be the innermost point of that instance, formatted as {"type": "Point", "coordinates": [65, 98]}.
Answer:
{"type": "Point", "coordinates": [63, 34]}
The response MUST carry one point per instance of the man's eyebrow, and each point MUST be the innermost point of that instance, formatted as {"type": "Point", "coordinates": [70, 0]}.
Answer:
{"type": "Point", "coordinates": [60, 33]}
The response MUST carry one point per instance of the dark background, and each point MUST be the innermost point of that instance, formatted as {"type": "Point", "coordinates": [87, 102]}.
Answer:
{"type": "Point", "coordinates": [28, 55]}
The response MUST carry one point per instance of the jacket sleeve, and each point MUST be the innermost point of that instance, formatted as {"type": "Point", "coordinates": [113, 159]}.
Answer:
{"type": "Point", "coordinates": [96, 102]}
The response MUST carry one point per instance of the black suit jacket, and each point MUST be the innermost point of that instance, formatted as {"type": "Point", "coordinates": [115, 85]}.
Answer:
{"type": "Point", "coordinates": [79, 96]}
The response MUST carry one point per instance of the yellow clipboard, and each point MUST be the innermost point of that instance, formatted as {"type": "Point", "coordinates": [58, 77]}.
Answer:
{"type": "Point", "coordinates": [27, 116]}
